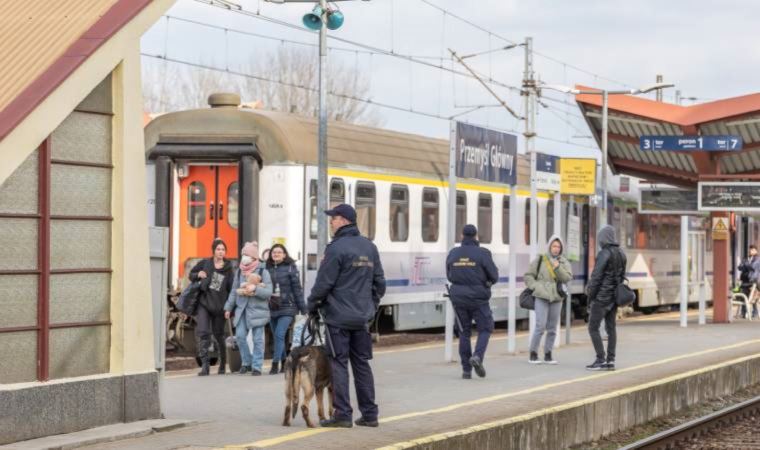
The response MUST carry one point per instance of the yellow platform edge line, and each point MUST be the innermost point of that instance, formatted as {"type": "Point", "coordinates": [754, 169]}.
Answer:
{"type": "Point", "coordinates": [306, 433]}
{"type": "Point", "coordinates": [563, 407]}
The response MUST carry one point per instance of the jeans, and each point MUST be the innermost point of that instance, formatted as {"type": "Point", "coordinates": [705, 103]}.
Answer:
{"type": "Point", "coordinates": [279, 326]}
{"type": "Point", "coordinates": [483, 318]}
{"type": "Point", "coordinates": [356, 346]}
{"type": "Point", "coordinates": [609, 314]}
{"type": "Point", "coordinates": [255, 359]}
{"type": "Point", "coordinates": [547, 318]}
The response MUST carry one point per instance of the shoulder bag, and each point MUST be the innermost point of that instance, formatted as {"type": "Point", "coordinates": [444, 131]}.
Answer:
{"type": "Point", "coordinates": [624, 295]}
{"type": "Point", "coordinates": [527, 300]}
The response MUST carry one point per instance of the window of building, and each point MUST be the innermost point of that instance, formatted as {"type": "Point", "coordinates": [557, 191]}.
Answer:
{"type": "Point", "coordinates": [430, 215]}
{"type": "Point", "coordinates": [55, 292]}
{"type": "Point", "coordinates": [233, 194]}
{"type": "Point", "coordinates": [461, 219]}
{"type": "Point", "coordinates": [399, 214]}
{"type": "Point", "coordinates": [505, 220]}
{"type": "Point", "coordinates": [485, 218]}
{"type": "Point", "coordinates": [365, 208]}
{"type": "Point", "coordinates": [196, 204]}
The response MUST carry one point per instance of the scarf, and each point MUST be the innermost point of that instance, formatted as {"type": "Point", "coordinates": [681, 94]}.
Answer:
{"type": "Point", "coordinates": [247, 269]}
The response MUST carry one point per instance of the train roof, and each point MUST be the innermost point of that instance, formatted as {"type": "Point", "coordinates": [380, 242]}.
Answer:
{"type": "Point", "coordinates": [282, 137]}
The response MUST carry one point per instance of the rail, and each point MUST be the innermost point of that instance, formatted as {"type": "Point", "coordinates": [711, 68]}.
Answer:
{"type": "Point", "coordinates": [670, 439]}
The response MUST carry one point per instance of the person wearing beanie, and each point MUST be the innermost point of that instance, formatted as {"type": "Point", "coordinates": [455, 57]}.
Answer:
{"type": "Point", "coordinates": [215, 275]}
{"type": "Point", "coordinates": [471, 271]}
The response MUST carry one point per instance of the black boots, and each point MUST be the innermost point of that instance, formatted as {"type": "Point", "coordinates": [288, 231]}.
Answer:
{"type": "Point", "coordinates": [222, 361]}
{"type": "Point", "coordinates": [203, 354]}
{"type": "Point", "coordinates": [204, 366]}
{"type": "Point", "coordinates": [275, 368]}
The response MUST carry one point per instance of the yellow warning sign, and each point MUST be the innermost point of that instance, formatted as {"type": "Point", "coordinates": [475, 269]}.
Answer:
{"type": "Point", "coordinates": [577, 176]}
{"type": "Point", "coordinates": [720, 228]}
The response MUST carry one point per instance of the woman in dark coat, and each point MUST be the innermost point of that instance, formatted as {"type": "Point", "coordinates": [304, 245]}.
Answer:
{"type": "Point", "coordinates": [286, 300]}
{"type": "Point", "coordinates": [216, 278]}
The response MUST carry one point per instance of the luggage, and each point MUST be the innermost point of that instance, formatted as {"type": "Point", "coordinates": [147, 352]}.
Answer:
{"type": "Point", "coordinates": [188, 299]}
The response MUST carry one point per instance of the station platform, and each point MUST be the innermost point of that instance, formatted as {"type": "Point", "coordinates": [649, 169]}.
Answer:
{"type": "Point", "coordinates": [424, 402]}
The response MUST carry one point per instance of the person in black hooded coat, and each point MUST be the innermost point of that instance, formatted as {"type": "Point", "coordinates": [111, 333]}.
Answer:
{"type": "Point", "coordinates": [608, 273]}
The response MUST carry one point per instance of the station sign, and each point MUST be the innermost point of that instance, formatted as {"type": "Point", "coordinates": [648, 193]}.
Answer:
{"type": "Point", "coordinates": [547, 172]}
{"type": "Point", "coordinates": [668, 201]}
{"type": "Point", "coordinates": [577, 176]}
{"type": "Point", "coordinates": [720, 228]}
{"type": "Point", "coordinates": [573, 238]}
{"type": "Point", "coordinates": [729, 196]}
{"type": "Point", "coordinates": [484, 154]}
{"type": "Point", "coordinates": [715, 143]}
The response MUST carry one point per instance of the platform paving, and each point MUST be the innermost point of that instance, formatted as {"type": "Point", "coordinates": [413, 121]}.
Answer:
{"type": "Point", "coordinates": [419, 395]}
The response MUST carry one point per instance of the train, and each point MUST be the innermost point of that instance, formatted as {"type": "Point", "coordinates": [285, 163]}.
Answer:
{"type": "Point", "coordinates": [239, 174]}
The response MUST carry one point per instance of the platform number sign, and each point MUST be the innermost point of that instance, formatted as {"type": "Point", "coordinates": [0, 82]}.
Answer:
{"type": "Point", "coordinates": [713, 143]}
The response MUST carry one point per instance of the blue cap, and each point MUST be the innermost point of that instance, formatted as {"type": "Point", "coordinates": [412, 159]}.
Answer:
{"type": "Point", "coordinates": [343, 210]}
{"type": "Point", "coordinates": [469, 230]}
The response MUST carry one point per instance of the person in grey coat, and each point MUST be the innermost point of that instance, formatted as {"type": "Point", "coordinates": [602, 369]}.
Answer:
{"type": "Point", "coordinates": [251, 308]}
{"type": "Point", "coordinates": [547, 276]}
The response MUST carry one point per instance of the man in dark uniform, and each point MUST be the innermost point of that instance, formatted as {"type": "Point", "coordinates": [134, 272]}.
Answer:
{"type": "Point", "coordinates": [350, 283]}
{"type": "Point", "coordinates": [471, 272]}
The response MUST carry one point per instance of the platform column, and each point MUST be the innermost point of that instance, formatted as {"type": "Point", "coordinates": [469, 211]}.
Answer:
{"type": "Point", "coordinates": [720, 275]}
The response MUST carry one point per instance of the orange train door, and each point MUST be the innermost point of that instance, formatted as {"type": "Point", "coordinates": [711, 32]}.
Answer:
{"type": "Point", "coordinates": [207, 197]}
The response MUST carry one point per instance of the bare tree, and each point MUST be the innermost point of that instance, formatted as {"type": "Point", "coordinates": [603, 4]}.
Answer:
{"type": "Point", "coordinates": [285, 80]}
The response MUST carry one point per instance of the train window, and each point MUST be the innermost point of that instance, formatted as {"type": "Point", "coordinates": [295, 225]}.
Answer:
{"type": "Point", "coordinates": [365, 208]}
{"type": "Point", "coordinates": [430, 215]}
{"type": "Point", "coordinates": [527, 221]}
{"type": "Point", "coordinates": [549, 218]}
{"type": "Point", "coordinates": [233, 194]}
{"type": "Point", "coordinates": [337, 192]}
{"type": "Point", "coordinates": [630, 228]}
{"type": "Point", "coordinates": [653, 237]}
{"type": "Point", "coordinates": [617, 223]}
{"type": "Point", "coordinates": [485, 218]}
{"type": "Point", "coordinates": [313, 209]}
{"type": "Point", "coordinates": [196, 204]}
{"type": "Point", "coordinates": [505, 220]}
{"type": "Point", "coordinates": [399, 213]}
{"type": "Point", "coordinates": [461, 218]}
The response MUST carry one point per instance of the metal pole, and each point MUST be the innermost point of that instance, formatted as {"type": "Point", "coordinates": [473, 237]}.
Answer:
{"type": "Point", "coordinates": [513, 230]}
{"type": "Point", "coordinates": [558, 232]}
{"type": "Point", "coordinates": [322, 150]}
{"type": "Point", "coordinates": [530, 117]}
{"type": "Point", "coordinates": [702, 283]}
{"type": "Point", "coordinates": [451, 238]}
{"type": "Point", "coordinates": [603, 220]}
{"type": "Point", "coordinates": [569, 305]}
{"type": "Point", "coordinates": [684, 269]}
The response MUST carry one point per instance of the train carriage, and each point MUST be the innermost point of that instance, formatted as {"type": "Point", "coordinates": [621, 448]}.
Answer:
{"type": "Point", "coordinates": [242, 174]}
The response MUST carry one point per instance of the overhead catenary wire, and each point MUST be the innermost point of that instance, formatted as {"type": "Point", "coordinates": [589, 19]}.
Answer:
{"type": "Point", "coordinates": [334, 94]}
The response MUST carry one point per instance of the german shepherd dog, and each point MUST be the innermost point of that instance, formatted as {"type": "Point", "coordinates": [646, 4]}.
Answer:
{"type": "Point", "coordinates": [307, 368]}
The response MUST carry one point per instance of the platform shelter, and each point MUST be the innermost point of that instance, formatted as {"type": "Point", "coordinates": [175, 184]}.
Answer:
{"type": "Point", "coordinates": [630, 118]}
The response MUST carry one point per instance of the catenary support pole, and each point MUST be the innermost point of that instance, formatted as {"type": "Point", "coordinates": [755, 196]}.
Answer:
{"type": "Point", "coordinates": [451, 238]}
{"type": "Point", "coordinates": [684, 270]}
{"type": "Point", "coordinates": [557, 214]}
{"type": "Point", "coordinates": [529, 88]}
{"type": "Point", "coordinates": [322, 139]}
{"type": "Point", "coordinates": [512, 313]}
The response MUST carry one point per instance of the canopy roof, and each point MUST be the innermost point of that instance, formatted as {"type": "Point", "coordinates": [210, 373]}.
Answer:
{"type": "Point", "coordinates": [631, 117]}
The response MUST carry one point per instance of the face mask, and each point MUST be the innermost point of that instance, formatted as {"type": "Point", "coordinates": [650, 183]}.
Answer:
{"type": "Point", "coordinates": [246, 260]}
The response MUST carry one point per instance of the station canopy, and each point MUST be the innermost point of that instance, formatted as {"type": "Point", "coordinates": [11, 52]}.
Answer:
{"type": "Point", "coordinates": [631, 117]}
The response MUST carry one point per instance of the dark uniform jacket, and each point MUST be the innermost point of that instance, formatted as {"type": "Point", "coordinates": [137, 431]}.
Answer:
{"type": "Point", "coordinates": [286, 277]}
{"type": "Point", "coordinates": [471, 272]}
{"type": "Point", "coordinates": [350, 281]}
{"type": "Point", "coordinates": [609, 269]}
{"type": "Point", "coordinates": [216, 287]}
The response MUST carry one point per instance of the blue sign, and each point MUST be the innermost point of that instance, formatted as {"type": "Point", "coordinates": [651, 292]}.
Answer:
{"type": "Point", "coordinates": [727, 143]}
{"type": "Point", "coordinates": [547, 163]}
{"type": "Point", "coordinates": [485, 154]}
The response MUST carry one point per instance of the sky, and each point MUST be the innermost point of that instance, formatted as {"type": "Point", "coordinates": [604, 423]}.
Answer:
{"type": "Point", "coordinates": [705, 47]}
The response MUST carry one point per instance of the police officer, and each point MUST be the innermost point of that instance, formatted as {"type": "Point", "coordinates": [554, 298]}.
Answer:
{"type": "Point", "coordinates": [471, 272]}
{"type": "Point", "coordinates": [349, 285]}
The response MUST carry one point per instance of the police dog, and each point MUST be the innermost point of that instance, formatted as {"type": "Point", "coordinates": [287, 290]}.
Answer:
{"type": "Point", "coordinates": [307, 368]}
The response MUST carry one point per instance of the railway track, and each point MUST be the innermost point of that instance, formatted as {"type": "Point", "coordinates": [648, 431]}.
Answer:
{"type": "Point", "coordinates": [735, 427]}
